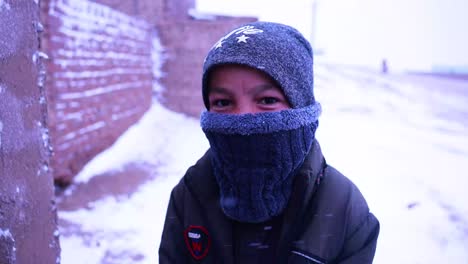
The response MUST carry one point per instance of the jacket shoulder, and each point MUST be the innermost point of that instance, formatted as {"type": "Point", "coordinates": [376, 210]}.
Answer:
{"type": "Point", "coordinates": [342, 225]}
{"type": "Point", "coordinates": [198, 185]}
{"type": "Point", "coordinates": [340, 190]}
{"type": "Point", "coordinates": [340, 195]}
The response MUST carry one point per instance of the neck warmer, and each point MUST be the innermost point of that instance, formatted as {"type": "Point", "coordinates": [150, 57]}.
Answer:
{"type": "Point", "coordinates": [256, 156]}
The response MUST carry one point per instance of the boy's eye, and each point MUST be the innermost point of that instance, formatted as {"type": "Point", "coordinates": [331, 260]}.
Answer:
{"type": "Point", "coordinates": [221, 103]}
{"type": "Point", "coordinates": [269, 100]}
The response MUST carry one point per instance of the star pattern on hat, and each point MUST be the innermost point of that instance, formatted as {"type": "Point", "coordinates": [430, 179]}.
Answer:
{"type": "Point", "coordinates": [242, 38]}
{"type": "Point", "coordinates": [219, 44]}
{"type": "Point", "coordinates": [245, 30]}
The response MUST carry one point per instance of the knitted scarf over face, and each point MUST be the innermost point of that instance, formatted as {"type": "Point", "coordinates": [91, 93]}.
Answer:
{"type": "Point", "coordinates": [256, 156]}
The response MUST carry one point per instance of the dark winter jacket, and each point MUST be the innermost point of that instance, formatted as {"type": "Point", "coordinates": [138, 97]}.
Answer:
{"type": "Point", "coordinates": [327, 220]}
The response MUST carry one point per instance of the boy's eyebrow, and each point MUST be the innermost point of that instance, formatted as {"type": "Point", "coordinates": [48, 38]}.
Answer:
{"type": "Point", "coordinates": [219, 90]}
{"type": "Point", "coordinates": [264, 87]}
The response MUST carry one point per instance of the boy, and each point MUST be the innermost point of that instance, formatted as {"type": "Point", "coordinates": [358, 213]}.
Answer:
{"type": "Point", "coordinates": [263, 192]}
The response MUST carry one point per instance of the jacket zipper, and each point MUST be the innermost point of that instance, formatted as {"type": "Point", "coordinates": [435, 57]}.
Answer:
{"type": "Point", "coordinates": [307, 257]}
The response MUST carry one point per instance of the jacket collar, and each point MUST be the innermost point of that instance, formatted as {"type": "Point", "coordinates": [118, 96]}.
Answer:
{"type": "Point", "coordinates": [305, 183]}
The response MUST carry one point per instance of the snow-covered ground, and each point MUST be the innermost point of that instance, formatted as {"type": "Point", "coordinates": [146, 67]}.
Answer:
{"type": "Point", "coordinates": [403, 143]}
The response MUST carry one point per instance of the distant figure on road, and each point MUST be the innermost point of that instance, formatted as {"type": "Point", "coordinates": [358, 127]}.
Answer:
{"type": "Point", "coordinates": [384, 66]}
{"type": "Point", "coordinates": [263, 192]}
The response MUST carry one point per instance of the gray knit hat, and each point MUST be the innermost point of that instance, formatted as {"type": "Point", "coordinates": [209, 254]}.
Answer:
{"type": "Point", "coordinates": [279, 50]}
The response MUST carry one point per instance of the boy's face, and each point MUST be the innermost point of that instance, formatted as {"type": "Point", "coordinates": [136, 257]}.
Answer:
{"type": "Point", "coordinates": [236, 89]}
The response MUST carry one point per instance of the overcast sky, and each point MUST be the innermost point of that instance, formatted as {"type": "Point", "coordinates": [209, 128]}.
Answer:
{"type": "Point", "coordinates": [410, 34]}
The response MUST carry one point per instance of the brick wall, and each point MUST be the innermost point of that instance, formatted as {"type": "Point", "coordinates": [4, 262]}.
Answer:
{"type": "Point", "coordinates": [27, 210]}
{"type": "Point", "coordinates": [99, 79]}
{"type": "Point", "coordinates": [149, 10]}
{"type": "Point", "coordinates": [152, 11]}
{"type": "Point", "coordinates": [186, 44]}
{"type": "Point", "coordinates": [177, 10]}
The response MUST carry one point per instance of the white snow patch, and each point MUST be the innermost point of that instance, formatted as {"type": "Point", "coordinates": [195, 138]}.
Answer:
{"type": "Point", "coordinates": [39, 27]}
{"type": "Point", "coordinates": [6, 233]}
{"type": "Point", "coordinates": [102, 90]}
{"type": "Point", "coordinates": [135, 227]}
{"type": "Point", "coordinates": [157, 56]}
{"type": "Point", "coordinates": [75, 250]}
{"type": "Point", "coordinates": [82, 131]}
{"type": "Point", "coordinates": [4, 5]}
{"type": "Point", "coordinates": [41, 78]}
{"type": "Point", "coordinates": [39, 55]}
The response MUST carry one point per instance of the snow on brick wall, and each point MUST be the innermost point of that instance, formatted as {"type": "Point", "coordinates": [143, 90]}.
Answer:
{"type": "Point", "coordinates": [99, 79]}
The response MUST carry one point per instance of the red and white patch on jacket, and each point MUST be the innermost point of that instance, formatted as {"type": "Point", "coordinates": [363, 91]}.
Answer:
{"type": "Point", "coordinates": [198, 241]}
